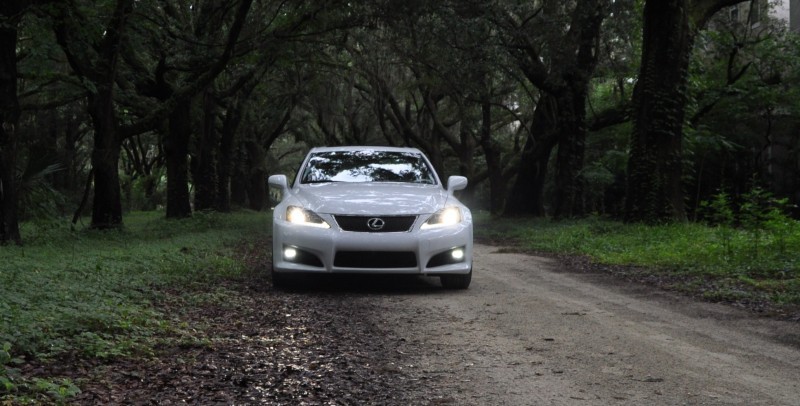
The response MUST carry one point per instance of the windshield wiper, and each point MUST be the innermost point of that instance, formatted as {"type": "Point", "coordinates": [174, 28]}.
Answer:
{"type": "Point", "coordinates": [320, 181]}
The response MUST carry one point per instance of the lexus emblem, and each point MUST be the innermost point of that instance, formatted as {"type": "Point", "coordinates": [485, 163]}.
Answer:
{"type": "Point", "coordinates": [375, 223]}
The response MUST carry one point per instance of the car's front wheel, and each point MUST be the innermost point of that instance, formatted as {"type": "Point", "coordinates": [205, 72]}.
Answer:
{"type": "Point", "coordinates": [457, 281]}
{"type": "Point", "coordinates": [279, 279]}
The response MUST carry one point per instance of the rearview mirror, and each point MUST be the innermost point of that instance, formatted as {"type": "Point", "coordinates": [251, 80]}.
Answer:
{"type": "Point", "coordinates": [456, 183]}
{"type": "Point", "coordinates": [280, 182]}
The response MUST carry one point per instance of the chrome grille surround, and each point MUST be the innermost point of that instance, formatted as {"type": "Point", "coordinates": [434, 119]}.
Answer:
{"type": "Point", "coordinates": [371, 224]}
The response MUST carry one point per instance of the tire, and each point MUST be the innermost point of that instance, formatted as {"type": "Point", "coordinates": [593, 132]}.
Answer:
{"type": "Point", "coordinates": [456, 281]}
{"type": "Point", "coordinates": [279, 280]}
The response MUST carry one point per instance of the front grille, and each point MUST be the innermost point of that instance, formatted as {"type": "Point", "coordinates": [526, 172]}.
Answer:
{"type": "Point", "coordinates": [391, 224]}
{"type": "Point", "coordinates": [375, 259]}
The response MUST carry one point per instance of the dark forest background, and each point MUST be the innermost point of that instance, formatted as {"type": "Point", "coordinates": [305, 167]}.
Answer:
{"type": "Point", "coordinates": [638, 110]}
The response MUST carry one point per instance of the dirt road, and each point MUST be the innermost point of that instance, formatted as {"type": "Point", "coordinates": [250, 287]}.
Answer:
{"type": "Point", "coordinates": [526, 333]}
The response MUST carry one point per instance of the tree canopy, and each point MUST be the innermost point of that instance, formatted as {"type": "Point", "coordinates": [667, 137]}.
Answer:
{"type": "Point", "coordinates": [633, 109]}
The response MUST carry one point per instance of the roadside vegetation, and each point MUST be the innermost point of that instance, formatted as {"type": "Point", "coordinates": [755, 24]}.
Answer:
{"type": "Point", "coordinates": [90, 294]}
{"type": "Point", "coordinates": [87, 294]}
{"type": "Point", "coordinates": [746, 253]}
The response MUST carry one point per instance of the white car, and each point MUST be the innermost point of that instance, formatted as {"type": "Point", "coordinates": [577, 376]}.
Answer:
{"type": "Point", "coordinates": [371, 210]}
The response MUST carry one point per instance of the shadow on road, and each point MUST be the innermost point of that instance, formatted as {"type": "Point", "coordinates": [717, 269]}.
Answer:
{"type": "Point", "coordinates": [361, 283]}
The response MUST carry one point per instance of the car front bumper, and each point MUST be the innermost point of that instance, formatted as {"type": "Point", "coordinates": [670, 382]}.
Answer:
{"type": "Point", "coordinates": [428, 252]}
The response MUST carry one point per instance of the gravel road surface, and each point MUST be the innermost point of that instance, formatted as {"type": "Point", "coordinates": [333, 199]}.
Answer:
{"type": "Point", "coordinates": [527, 333]}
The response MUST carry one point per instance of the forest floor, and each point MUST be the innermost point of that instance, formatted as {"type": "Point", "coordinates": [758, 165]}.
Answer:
{"type": "Point", "coordinates": [530, 330]}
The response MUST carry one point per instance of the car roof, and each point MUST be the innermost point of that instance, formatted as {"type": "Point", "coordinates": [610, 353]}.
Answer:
{"type": "Point", "coordinates": [365, 148]}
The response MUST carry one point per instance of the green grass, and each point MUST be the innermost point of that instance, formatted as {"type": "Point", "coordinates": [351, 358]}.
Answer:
{"type": "Point", "coordinates": [766, 263]}
{"type": "Point", "coordinates": [89, 293]}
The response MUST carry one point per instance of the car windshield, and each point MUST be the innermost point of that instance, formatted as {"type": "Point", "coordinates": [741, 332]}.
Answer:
{"type": "Point", "coordinates": [367, 166]}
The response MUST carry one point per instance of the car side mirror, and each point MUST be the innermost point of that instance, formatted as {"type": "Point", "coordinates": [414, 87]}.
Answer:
{"type": "Point", "coordinates": [455, 183]}
{"type": "Point", "coordinates": [280, 182]}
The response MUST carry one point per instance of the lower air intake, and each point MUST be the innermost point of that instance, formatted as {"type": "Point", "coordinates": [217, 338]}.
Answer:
{"type": "Point", "coordinates": [375, 259]}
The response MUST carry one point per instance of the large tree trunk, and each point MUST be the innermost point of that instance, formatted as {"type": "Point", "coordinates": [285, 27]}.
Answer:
{"type": "Point", "coordinates": [11, 12]}
{"type": "Point", "coordinates": [654, 189]}
{"type": "Point", "coordinates": [107, 203]}
{"type": "Point", "coordinates": [107, 206]}
{"type": "Point", "coordinates": [568, 195]}
{"type": "Point", "coordinates": [9, 118]}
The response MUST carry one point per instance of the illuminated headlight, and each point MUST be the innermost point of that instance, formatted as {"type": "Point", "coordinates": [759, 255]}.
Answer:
{"type": "Point", "coordinates": [298, 215]}
{"type": "Point", "coordinates": [449, 216]}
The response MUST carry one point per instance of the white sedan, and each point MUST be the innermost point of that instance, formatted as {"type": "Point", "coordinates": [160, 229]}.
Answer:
{"type": "Point", "coordinates": [371, 210]}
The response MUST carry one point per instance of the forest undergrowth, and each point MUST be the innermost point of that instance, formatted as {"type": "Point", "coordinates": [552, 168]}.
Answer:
{"type": "Point", "coordinates": [89, 294]}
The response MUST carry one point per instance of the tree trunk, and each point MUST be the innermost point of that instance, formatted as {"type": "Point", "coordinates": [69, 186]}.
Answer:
{"type": "Point", "coordinates": [563, 84]}
{"type": "Point", "coordinates": [107, 203]}
{"type": "Point", "coordinates": [204, 165]}
{"type": "Point", "coordinates": [9, 118]}
{"type": "Point", "coordinates": [257, 178]}
{"type": "Point", "coordinates": [497, 183]}
{"type": "Point", "coordinates": [101, 71]}
{"type": "Point", "coordinates": [654, 190]}
{"type": "Point", "coordinates": [568, 199]}
{"type": "Point", "coordinates": [239, 178]}
{"type": "Point", "coordinates": [226, 151]}
{"type": "Point", "coordinates": [69, 176]}
{"type": "Point", "coordinates": [527, 194]}
{"type": "Point", "coordinates": [176, 149]}
{"type": "Point", "coordinates": [571, 99]}
{"type": "Point", "coordinates": [11, 12]}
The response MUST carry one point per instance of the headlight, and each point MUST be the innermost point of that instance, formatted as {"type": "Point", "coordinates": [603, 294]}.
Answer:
{"type": "Point", "coordinates": [449, 216]}
{"type": "Point", "coordinates": [298, 215]}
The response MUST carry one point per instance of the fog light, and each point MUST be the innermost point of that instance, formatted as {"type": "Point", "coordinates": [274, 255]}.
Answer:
{"type": "Point", "coordinates": [457, 254]}
{"type": "Point", "coordinates": [289, 253]}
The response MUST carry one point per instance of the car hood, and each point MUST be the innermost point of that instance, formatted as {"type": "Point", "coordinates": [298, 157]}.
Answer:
{"type": "Point", "coordinates": [371, 198]}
